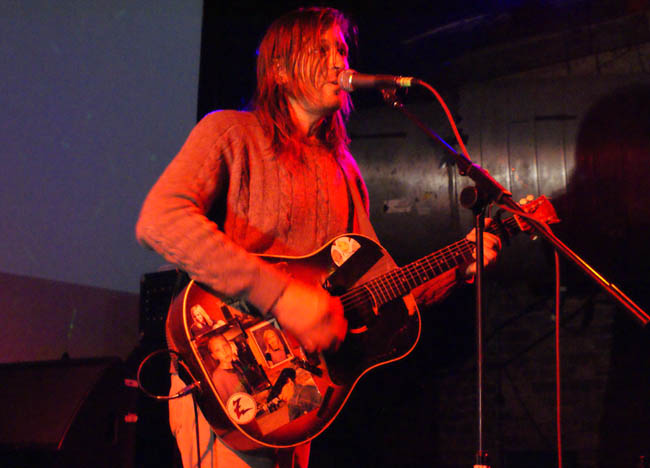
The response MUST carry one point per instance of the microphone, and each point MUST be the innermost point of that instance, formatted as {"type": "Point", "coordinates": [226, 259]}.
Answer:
{"type": "Point", "coordinates": [350, 80]}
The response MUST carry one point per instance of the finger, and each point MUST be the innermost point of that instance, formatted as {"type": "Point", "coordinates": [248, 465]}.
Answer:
{"type": "Point", "coordinates": [340, 330]}
{"type": "Point", "coordinates": [492, 240]}
{"type": "Point", "coordinates": [308, 344]}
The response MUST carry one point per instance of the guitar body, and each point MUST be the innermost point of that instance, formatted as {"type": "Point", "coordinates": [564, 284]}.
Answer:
{"type": "Point", "coordinates": [284, 396]}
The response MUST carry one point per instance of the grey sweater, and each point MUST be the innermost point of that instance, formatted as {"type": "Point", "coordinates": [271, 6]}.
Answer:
{"type": "Point", "coordinates": [227, 195]}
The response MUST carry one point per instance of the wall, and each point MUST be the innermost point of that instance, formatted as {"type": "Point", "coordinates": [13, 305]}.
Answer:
{"type": "Point", "coordinates": [577, 132]}
{"type": "Point", "coordinates": [97, 97]}
{"type": "Point", "coordinates": [45, 320]}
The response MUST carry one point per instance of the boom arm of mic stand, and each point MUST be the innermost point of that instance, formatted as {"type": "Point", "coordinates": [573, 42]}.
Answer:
{"type": "Point", "coordinates": [610, 288]}
{"type": "Point", "coordinates": [489, 190]}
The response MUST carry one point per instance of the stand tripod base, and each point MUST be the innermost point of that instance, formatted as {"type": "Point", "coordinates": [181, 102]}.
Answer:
{"type": "Point", "coordinates": [482, 460]}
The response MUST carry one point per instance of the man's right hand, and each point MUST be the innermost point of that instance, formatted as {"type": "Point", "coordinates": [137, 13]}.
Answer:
{"type": "Point", "coordinates": [311, 315]}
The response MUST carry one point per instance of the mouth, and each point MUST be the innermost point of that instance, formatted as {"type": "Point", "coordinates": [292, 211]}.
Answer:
{"type": "Point", "coordinates": [333, 86]}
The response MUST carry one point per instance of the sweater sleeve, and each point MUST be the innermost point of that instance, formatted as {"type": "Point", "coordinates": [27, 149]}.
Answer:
{"type": "Point", "coordinates": [437, 289]}
{"type": "Point", "coordinates": [173, 221]}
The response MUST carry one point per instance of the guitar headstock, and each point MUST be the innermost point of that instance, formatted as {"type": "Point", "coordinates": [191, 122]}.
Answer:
{"type": "Point", "coordinates": [539, 208]}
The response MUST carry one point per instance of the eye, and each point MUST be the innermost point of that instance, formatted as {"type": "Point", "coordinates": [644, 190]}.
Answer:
{"type": "Point", "coordinates": [324, 50]}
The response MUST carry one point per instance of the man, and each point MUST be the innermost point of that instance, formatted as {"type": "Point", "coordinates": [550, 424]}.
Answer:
{"type": "Point", "coordinates": [280, 181]}
{"type": "Point", "coordinates": [225, 377]}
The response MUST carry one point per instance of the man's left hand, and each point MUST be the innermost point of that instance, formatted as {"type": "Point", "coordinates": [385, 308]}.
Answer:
{"type": "Point", "coordinates": [491, 248]}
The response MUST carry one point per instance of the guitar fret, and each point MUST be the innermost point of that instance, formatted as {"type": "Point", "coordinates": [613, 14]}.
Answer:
{"type": "Point", "coordinates": [420, 276]}
{"type": "Point", "coordinates": [392, 293]}
{"type": "Point", "coordinates": [407, 286]}
{"type": "Point", "coordinates": [371, 287]}
{"type": "Point", "coordinates": [444, 257]}
{"type": "Point", "coordinates": [376, 285]}
{"type": "Point", "coordinates": [430, 268]}
{"type": "Point", "coordinates": [387, 289]}
{"type": "Point", "coordinates": [413, 275]}
{"type": "Point", "coordinates": [400, 281]}
{"type": "Point", "coordinates": [398, 284]}
{"type": "Point", "coordinates": [381, 290]}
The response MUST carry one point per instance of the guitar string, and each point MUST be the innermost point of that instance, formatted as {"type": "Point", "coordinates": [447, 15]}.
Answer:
{"type": "Point", "coordinates": [411, 273]}
{"type": "Point", "coordinates": [358, 297]}
{"type": "Point", "coordinates": [414, 271]}
{"type": "Point", "coordinates": [450, 256]}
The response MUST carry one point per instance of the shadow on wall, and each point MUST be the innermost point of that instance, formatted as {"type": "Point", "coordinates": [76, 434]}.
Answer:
{"type": "Point", "coordinates": [606, 210]}
{"type": "Point", "coordinates": [606, 219]}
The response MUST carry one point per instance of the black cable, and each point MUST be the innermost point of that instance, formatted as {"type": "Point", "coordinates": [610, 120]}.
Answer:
{"type": "Point", "coordinates": [182, 392]}
{"type": "Point", "coordinates": [196, 430]}
{"type": "Point", "coordinates": [558, 374]}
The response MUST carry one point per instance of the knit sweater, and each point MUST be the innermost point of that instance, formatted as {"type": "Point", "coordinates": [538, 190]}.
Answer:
{"type": "Point", "coordinates": [227, 195]}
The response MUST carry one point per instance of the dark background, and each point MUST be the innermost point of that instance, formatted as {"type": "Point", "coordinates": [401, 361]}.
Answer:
{"type": "Point", "coordinates": [552, 97]}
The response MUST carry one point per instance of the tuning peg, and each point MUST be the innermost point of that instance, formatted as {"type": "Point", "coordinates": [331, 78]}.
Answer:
{"type": "Point", "coordinates": [529, 198]}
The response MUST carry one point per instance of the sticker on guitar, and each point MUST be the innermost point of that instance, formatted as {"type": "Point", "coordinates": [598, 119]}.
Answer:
{"type": "Point", "coordinates": [271, 343]}
{"type": "Point", "coordinates": [342, 249]}
{"type": "Point", "coordinates": [254, 369]}
{"type": "Point", "coordinates": [241, 407]}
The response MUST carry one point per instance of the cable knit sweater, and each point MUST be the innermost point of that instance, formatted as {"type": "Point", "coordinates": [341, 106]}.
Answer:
{"type": "Point", "coordinates": [227, 195]}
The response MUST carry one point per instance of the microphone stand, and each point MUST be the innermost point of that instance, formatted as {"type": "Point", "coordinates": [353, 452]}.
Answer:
{"type": "Point", "coordinates": [486, 191]}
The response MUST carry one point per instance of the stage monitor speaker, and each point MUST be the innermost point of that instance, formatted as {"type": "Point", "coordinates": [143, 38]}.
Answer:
{"type": "Point", "coordinates": [156, 293]}
{"type": "Point", "coordinates": [66, 413]}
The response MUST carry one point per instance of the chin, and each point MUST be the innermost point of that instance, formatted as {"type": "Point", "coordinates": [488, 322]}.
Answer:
{"type": "Point", "coordinates": [334, 106]}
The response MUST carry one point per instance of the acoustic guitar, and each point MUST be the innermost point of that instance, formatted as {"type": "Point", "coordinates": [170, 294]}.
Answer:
{"type": "Point", "coordinates": [257, 387]}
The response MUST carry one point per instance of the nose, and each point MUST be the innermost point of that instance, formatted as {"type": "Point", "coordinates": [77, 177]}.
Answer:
{"type": "Point", "coordinates": [338, 61]}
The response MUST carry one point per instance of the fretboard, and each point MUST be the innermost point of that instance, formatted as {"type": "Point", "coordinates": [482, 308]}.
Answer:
{"type": "Point", "coordinates": [401, 281]}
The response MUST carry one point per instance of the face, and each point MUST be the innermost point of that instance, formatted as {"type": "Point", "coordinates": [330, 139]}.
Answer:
{"type": "Point", "coordinates": [221, 351]}
{"type": "Point", "coordinates": [198, 317]}
{"type": "Point", "coordinates": [325, 96]}
{"type": "Point", "coordinates": [272, 340]}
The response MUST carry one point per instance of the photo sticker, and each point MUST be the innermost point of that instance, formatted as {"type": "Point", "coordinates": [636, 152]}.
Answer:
{"type": "Point", "coordinates": [342, 249]}
{"type": "Point", "coordinates": [271, 343]}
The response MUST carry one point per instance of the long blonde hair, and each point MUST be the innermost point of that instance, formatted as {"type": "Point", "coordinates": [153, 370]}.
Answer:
{"type": "Point", "coordinates": [289, 45]}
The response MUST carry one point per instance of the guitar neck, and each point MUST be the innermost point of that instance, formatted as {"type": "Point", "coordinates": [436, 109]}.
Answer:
{"type": "Point", "coordinates": [401, 281]}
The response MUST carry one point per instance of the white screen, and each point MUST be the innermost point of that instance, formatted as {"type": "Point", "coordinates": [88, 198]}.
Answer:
{"type": "Point", "coordinates": [95, 99]}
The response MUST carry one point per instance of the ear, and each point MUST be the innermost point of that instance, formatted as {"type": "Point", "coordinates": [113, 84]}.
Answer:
{"type": "Point", "coordinates": [280, 73]}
